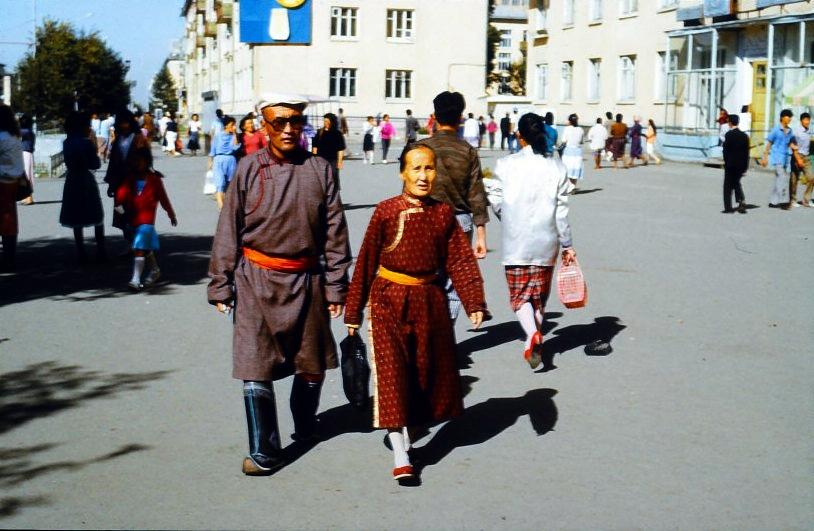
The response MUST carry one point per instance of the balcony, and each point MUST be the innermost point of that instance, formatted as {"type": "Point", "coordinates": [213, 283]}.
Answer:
{"type": "Point", "coordinates": [200, 6]}
{"type": "Point", "coordinates": [223, 12]}
{"type": "Point", "coordinates": [211, 29]}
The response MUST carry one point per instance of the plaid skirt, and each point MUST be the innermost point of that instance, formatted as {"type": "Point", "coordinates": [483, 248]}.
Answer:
{"type": "Point", "coordinates": [529, 283]}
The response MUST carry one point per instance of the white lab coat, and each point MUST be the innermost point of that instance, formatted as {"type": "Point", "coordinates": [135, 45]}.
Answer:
{"type": "Point", "coordinates": [597, 135]}
{"type": "Point", "coordinates": [529, 194]}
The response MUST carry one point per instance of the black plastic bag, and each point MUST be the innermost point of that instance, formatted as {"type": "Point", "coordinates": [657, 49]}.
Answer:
{"type": "Point", "coordinates": [355, 371]}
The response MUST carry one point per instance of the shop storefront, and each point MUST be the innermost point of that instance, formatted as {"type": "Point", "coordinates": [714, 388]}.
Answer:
{"type": "Point", "coordinates": [754, 68]}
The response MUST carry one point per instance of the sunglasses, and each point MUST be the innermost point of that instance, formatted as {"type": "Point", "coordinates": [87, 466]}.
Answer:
{"type": "Point", "coordinates": [296, 122]}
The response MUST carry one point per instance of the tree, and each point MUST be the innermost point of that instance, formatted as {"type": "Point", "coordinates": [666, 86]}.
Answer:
{"type": "Point", "coordinates": [492, 42]}
{"type": "Point", "coordinates": [164, 94]}
{"type": "Point", "coordinates": [70, 68]}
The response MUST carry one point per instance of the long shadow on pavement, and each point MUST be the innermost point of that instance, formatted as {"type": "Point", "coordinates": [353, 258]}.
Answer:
{"type": "Point", "coordinates": [42, 271]}
{"type": "Point", "coordinates": [496, 335]}
{"type": "Point", "coordinates": [596, 337]}
{"type": "Point", "coordinates": [43, 389]}
{"type": "Point", "coordinates": [486, 420]}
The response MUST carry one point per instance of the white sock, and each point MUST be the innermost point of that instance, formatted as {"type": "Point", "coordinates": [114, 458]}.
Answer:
{"type": "Point", "coordinates": [526, 317]}
{"type": "Point", "coordinates": [370, 155]}
{"type": "Point", "coordinates": [538, 318]}
{"type": "Point", "coordinates": [138, 269]}
{"type": "Point", "coordinates": [406, 434]}
{"type": "Point", "coordinates": [400, 457]}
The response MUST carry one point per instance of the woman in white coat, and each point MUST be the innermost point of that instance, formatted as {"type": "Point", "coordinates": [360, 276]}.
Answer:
{"type": "Point", "coordinates": [572, 150]}
{"type": "Point", "coordinates": [530, 196]}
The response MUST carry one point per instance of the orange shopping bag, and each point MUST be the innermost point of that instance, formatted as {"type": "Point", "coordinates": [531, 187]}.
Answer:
{"type": "Point", "coordinates": [571, 286]}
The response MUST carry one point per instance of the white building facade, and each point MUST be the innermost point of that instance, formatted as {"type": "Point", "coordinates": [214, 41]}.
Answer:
{"type": "Point", "coordinates": [592, 56]}
{"type": "Point", "coordinates": [510, 19]}
{"type": "Point", "coordinates": [365, 56]}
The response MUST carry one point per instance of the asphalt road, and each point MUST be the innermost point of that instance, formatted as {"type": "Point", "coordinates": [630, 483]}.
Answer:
{"type": "Point", "coordinates": [118, 410]}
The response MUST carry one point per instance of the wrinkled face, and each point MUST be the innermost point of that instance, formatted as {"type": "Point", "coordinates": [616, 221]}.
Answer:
{"type": "Point", "coordinates": [283, 125]}
{"type": "Point", "coordinates": [419, 172]}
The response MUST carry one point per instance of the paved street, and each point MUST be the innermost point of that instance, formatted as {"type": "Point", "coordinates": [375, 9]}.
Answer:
{"type": "Point", "coordinates": [118, 410]}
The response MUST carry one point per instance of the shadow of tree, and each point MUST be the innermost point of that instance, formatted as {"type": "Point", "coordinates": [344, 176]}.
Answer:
{"type": "Point", "coordinates": [596, 337]}
{"type": "Point", "coordinates": [486, 420]}
{"type": "Point", "coordinates": [41, 270]}
{"type": "Point", "coordinates": [11, 505]}
{"type": "Point", "coordinates": [16, 467]}
{"type": "Point", "coordinates": [496, 335]}
{"type": "Point", "coordinates": [43, 389]}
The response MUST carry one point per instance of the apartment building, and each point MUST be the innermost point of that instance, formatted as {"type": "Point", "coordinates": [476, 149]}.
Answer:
{"type": "Point", "coordinates": [592, 56]}
{"type": "Point", "coordinates": [365, 56]}
{"type": "Point", "coordinates": [510, 19]}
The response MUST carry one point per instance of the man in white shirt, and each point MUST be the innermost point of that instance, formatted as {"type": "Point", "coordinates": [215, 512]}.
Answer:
{"type": "Point", "coordinates": [597, 136]}
{"type": "Point", "coordinates": [471, 131]}
{"type": "Point", "coordinates": [162, 129]}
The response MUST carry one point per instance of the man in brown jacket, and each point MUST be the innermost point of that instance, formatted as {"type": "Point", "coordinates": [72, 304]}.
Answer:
{"type": "Point", "coordinates": [458, 180]}
{"type": "Point", "coordinates": [280, 258]}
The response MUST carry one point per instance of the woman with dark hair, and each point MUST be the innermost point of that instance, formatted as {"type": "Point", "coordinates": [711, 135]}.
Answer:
{"type": "Point", "coordinates": [222, 159]}
{"type": "Point", "coordinates": [387, 132]}
{"type": "Point", "coordinates": [530, 196]}
{"type": "Point", "coordinates": [635, 134]}
{"type": "Point", "coordinates": [410, 239]}
{"type": "Point", "coordinates": [250, 140]}
{"type": "Point", "coordinates": [126, 137]}
{"type": "Point", "coordinates": [618, 132]}
{"type": "Point", "coordinates": [329, 143]}
{"type": "Point", "coordinates": [368, 140]}
{"type": "Point", "coordinates": [28, 139]}
{"type": "Point", "coordinates": [572, 150]}
{"type": "Point", "coordinates": [194, 142]}
{"type": "Point", "coordinates": [650, 134]}
{"type": "Point", "coordinates": [81, 202]}
{"type": "Point", "coordinates": [11, 170]}
{"type": "Point", "coordinates": [171, 135]}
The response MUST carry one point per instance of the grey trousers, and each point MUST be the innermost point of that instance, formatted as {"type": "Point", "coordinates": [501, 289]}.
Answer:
{"type": "Point", "coordinates": [465, 221]}
{"type": "Point", "coordinates": [780, 189]}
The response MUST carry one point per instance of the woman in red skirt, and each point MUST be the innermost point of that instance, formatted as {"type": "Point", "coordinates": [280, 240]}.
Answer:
{"type": "Point", "coordinates": [530, 196]}
{"type": "Point", "coordinates": [411, 239]}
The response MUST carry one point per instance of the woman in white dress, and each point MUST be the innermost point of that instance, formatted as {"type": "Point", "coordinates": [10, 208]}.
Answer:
{"type": "Point", "coordinates": [572, 152]}
{"type": "Point", "coordinates": [529, 194]}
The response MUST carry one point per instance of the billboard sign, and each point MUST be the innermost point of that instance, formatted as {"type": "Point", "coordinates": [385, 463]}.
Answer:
{"type": "Point", "coordinates": [275, 21]}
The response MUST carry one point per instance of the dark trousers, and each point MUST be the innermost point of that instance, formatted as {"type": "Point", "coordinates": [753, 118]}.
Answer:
{"type": "Point", "coordinates": [503, 139]}
{"type": "Point", "coordinates": [732, 182]}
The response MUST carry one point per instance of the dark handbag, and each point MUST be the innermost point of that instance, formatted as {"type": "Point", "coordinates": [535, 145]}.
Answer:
{"type": "Point", "coordinates": [355, 371]}
{"type": "Point", "coordinates": [23, 188]}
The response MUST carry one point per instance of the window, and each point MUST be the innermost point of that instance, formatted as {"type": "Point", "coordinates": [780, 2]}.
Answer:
{"type": "Point", "coordinates": [594, 86]}
{"type": "Point", "coordinates": [627, 77]}
{"type": "Point", "coordinates": [566, 83]}
{"type": "Point", "coordinates": [343, 82]}
{"type": "Point", "coordinates": [398, 84]}
{"type": "Point", "coordinates": [568, 12]}
{"type": "Point", "coordinates": [666, 86]}
{"type": "Point", "coordinates": [506, 38]}
{"type": "Point", "coordinates": [666, 4]}
{"type": "Point", "coordinates": [504, 61]}
{"type": "Point", "coordinates": [542, 81]}
{"type": "Point", "coordinates": [541, 16]}
{"type": "Point", "coordinates": [343, 22]}
{"type": "Point", "coordinates": [628, 7]}
{"type": "Point", "coordinates": [400, 24]}
{"type": "Point", "coordinates": [595, 10]}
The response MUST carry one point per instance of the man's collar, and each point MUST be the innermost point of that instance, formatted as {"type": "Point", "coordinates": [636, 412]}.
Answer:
{"type": "Point", "coordinates": [268, 158]}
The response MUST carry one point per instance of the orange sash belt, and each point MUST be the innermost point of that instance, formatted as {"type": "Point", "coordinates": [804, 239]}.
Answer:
{"type": "Point", "coordinates": [405, 279]}
{"type": "Point", "coordinates": [279, 263]}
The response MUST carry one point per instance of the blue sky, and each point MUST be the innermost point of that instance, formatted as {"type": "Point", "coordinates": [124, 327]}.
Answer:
{"type": "Point", "coordinates": [139, 30]}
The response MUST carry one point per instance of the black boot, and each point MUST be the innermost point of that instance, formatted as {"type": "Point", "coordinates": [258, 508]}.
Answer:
{"type": "Point", "coordinates": [304, 404]}
{"type": "Point", "coordinates": [265, 456]}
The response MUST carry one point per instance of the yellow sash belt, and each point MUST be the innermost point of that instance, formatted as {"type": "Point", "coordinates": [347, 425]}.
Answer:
{"type": "Point", "coordinates": [404, 279]}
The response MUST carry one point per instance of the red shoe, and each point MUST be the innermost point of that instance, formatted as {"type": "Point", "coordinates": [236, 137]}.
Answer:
{"type": "Point", "coordinates": [403, 472]}
{"type": "Point", "coordinates": [532, 354]}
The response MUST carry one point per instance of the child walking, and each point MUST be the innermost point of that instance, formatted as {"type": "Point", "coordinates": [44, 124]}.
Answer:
{"type": "Point", "coordinates": [137, 198]}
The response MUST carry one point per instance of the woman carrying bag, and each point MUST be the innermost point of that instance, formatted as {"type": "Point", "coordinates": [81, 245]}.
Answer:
{"type": "Point", "coordinates": [530, 196]}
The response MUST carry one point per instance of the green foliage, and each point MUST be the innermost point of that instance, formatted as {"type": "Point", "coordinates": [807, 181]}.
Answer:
{"type": "Point", "coordinates": [164, 91]}
{"type": "Point", "coordinates": [492, 42]}
{"type": "Point", "coordinates": [70, 66]}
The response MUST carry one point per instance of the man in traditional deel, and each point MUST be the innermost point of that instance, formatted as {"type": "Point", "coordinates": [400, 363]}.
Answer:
{"type": "Point", "coordinates": [280, 259]}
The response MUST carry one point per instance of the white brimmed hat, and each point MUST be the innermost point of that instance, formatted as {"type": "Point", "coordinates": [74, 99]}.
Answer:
{"type": "Point", "coordinates": [285, 100]}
